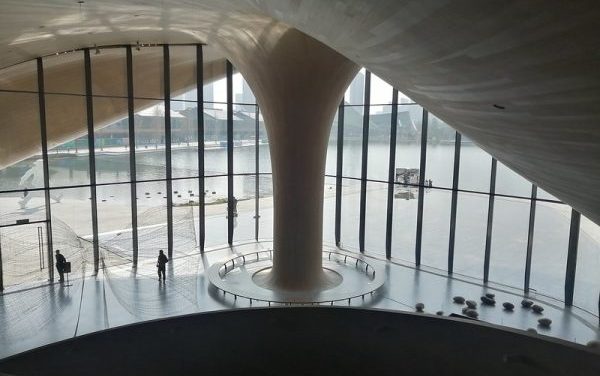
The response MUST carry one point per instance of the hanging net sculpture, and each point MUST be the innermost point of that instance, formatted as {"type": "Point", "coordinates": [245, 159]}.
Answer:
{"type": "Point", "coordinates": [130, 285]}
{"type": "Point", "coordinates": [25, 256]}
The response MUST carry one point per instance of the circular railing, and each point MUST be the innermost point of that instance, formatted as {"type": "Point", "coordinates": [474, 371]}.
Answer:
{"type": "Point", "coordinates": [260, 256]}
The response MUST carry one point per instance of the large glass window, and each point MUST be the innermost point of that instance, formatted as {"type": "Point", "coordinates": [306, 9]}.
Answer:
{"type": "Point", "coordinates": [509, 240]}
{"type": "Point", "coordinates": [148, 73]}
{"type": "Point", "coordinates": [350, 213]}
{"type": "Point", "coordinates": [408, 138]}
{"type": "Point", "coordinates": [22, 177]}
{"type": "Point", "coordinates": [329, 211]}
{"type": "Point", "coordinates": [114, 221]}
{"type": "Point", "coordinates": [381, 91]}
{"type": "Point", "coordinates": [376, 218]}
{"type": "Point", "coordinates": [404, 222]}
{"type": "Point", "coordinates": [152, 218]}
{"type": "Point", "coordinates": [587, 277]}
{"type": "Point", "coordinates": [111, 138]}
{"type": "Point", "coordinates": [68, 159]}
{"type": "Point", "coordinates": [184, 139]}
{"type": "Point", "coordinates": [215, 126]}
{"type": "Point", "coordinates": [216, 210]}
{"type": "Point", "coordinates": [185, 208]}
{"type": "Point", "coordinates": [24, 254]}
{"type": "Point", "coordinates": [379, 143]}
{"type": "Point", "coordinates": [353, 124]}
{"type": "Point", "coordinates": [21, 166]}
{"type": "Point", "coordinates": [72, 226]}
{"type": "Point", "coordinates": [440, 153]}
{"type": "Point", "coordinates": [150, 156]}
{"type": "Point", "coordinates": [475, 167]}
{"type": "Point", "coordinates": [550, 248]}
{"type": "Point", "coordinates": [264, 153]}
{"type": "Point", "coordinates": [470, 234]}
{"type": "Point", "coordinates": [22, 205]}
{"type": "Point", "coordinates": [509, 182]}
{"type": "Point", "coordinates": [355, 94]}
{"type": "Point", "coordinates": [244, 193]}
{"type": "Point", "coordinates": [65, 73]}
{"type": "Point", "coordinates": [244, 135]}
{"type": "Point", "coordinates": [265, 192]}
{"type": "Point", "coordinates": [20, 77]}
{"type": "Point", "coordinates": [331, 161]}
{"type": "Point", "coordinates": [436, 228]}
{"type": "Point", "coordinates": [109, 72]}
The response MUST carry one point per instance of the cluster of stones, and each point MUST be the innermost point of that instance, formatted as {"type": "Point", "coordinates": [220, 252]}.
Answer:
{"type": "Point", "coordinates": [544, 322]}
{"type": "Point", "coordinates": [489, 300]}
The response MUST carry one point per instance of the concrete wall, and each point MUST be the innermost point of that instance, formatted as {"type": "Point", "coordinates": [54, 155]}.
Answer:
{"type": "Point", "coordinates": [308, 341]}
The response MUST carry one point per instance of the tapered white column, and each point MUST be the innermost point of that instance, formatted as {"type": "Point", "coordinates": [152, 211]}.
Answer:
{"type": "Point", "coordinates": [298, 83]}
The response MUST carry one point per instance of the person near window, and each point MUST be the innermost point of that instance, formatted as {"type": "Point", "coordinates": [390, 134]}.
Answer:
{"type": "Point", "coordinates": [61, 262]}
{"type": "Point", "coordinates": [160, 264]}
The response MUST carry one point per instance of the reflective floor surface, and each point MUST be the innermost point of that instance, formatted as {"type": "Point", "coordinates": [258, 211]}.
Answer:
{"type": "Point", "coordinates": [120, 295]}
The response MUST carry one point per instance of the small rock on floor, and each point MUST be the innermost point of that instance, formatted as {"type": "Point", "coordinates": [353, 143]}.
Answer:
{"type": "Point", "coordinates": [488, 301]}
{"type": "Point", "coordinates": [459, 300]}
{"type": "Point", "coordinates": [526, 303]}
{"type": "Point", "coordinates": [545, 322]}
{"type": "Point", "coordinates": [471, 304]}
{"type": "Point", "coordinates": [537, 308]}
{"type": "Point", "coordinates": [508, 306]}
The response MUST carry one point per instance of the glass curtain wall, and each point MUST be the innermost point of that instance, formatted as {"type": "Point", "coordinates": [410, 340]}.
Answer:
{"type": "Point", "coordinates": [491, 215]}
{"type": "Point", "coordinates": [137, 174]}
{"type": "Point", "coordinates": [128, 183]}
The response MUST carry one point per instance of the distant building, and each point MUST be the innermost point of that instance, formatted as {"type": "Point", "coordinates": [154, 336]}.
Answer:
{"type": "Point", "coordinates": [357, 89]}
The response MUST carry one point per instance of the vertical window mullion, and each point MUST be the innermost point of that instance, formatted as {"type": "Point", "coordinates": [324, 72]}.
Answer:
{"type": "Point", "coordinates": [488, 236]}
{"type": "Point", "coordinates": [132, 165]}
{"type": "Point", "coordinates": [92, 155]}
{"type": "Point", "coordinates": [419, 235]}
{"type": "Point", "coordinates": [256, 170]}
{"type": "Point", "coordinates": [169, 172]}
{"type": "Point", "coordinates": [572, 257]}
{"type": "Point", "coordinates": [451, 238]}
{"type": "Point", "coordinates": [200, 109]}
{"type": "Point", "coordinates": [365, 153]}
{"type": "Point", "coordinates": [338, 175]}
{"type": "Point", "coordinates": [1, 270]}
{"type": "Point", "coordinates": [230, 212]}
{"type": "Point", "coordinates": [532, 206]}
{"type": "Point", "coordinates": [391, 175]}
{"type": "Point", "coordinates": [44, 139]}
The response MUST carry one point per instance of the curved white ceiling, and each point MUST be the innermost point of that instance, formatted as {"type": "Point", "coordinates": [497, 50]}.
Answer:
{"type": "Point", "coordinates": [537, 59]}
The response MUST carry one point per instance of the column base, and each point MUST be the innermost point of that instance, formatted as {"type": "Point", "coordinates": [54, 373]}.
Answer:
{"type": "Point", "coordinates": [325, 280]}
{"type": "Point", "coordinates": [343, 278]}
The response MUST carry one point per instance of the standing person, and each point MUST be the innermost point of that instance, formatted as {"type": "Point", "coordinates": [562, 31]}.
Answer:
{"type": "Point", "coordinates": [234, 206]}
{"type": "Point", "coordinates": [60, 265]}
{"type": "Point", "coordinates": [160, 264]}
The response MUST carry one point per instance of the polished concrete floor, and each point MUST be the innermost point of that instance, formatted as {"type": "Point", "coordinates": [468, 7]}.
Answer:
{"type": "Point", "coordinates": [119, 295]}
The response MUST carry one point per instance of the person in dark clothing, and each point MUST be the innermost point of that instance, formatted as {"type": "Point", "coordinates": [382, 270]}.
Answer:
{"type": "Point", "coordinates": [60, 265]}
{"type": "Point", "coordinates": [160, 264]}
{"type": "Point", "coordinates": [234, 203]}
